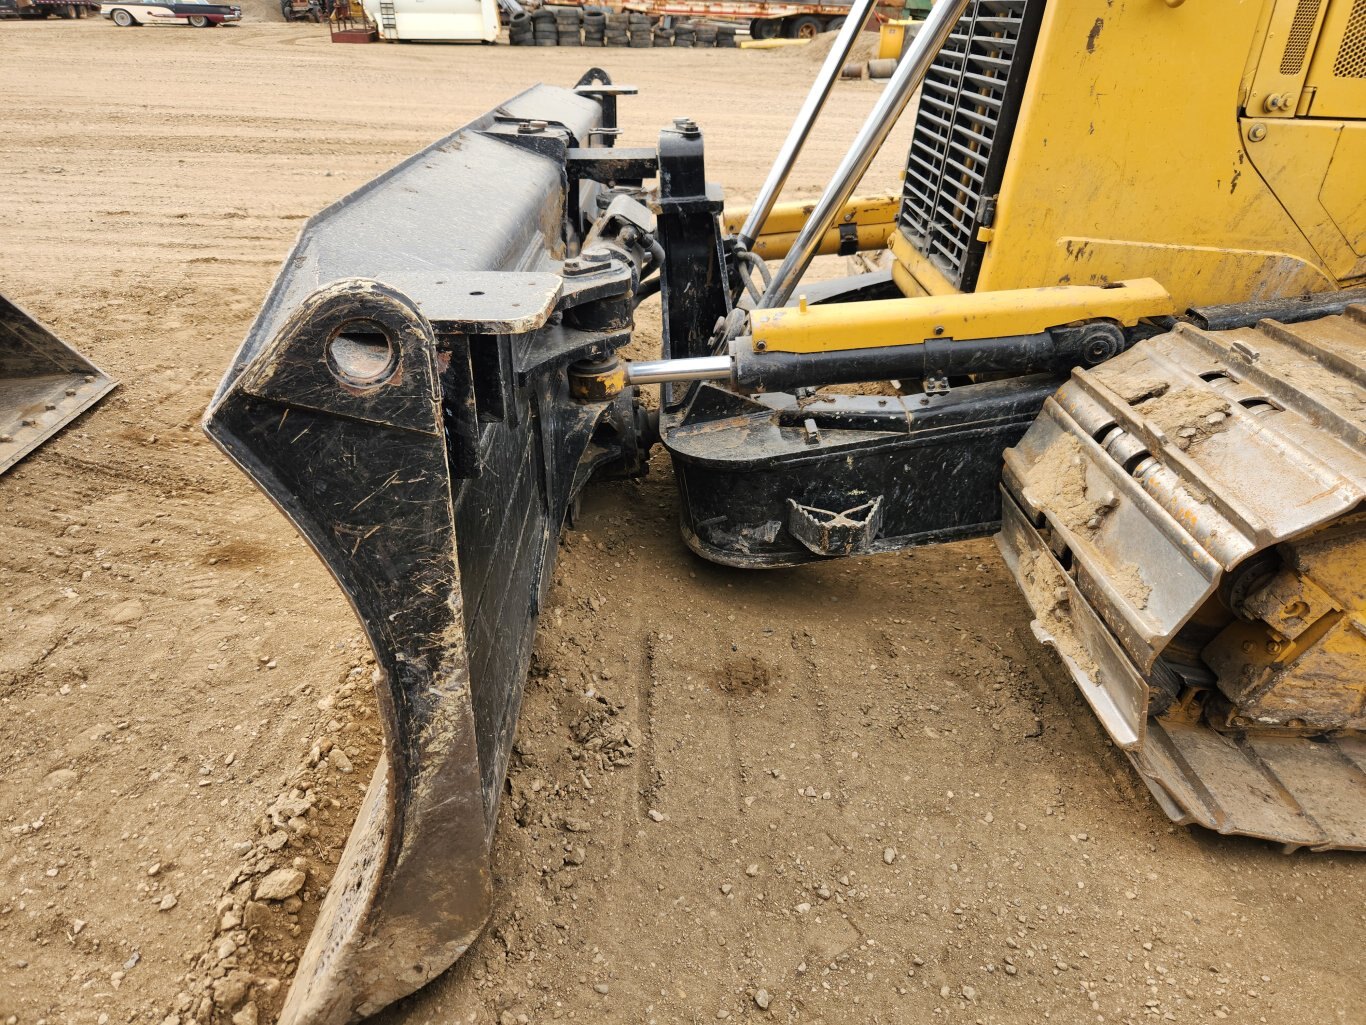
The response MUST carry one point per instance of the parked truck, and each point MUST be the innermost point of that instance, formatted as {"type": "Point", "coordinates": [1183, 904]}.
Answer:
{"type": "Point", "coordinates": [769, 20]}
{"type": "Point", "coordinates": [55, 8]}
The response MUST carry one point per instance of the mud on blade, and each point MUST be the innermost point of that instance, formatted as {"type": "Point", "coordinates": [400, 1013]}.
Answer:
{"type": "Point", "coordinates": [404, 398]}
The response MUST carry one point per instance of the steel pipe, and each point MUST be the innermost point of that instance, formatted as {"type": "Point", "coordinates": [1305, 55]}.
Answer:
{"type": "Point", "coordinates": [664, 371]}
{"type": "Point", "coordinates": [910, 73]}
{"type": "Point", "coordinates": [805, 121]}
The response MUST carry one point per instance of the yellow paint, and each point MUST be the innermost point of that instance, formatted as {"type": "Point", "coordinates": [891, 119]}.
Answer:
{"type": "Point", "coordinates": [1337, 76]}
{"type": "Point", "coordinates": [1344, 188]}
{"type": "Point", "coordinates": [598, 387]}
{"type": "Point", "coordinates": [1128, 161]}
{"type": "Point", "coordinates": [874, 218]}
{"type": "Point", "coordinates": [771, 44]}
{"type": "Point", "coordinates": [1278, 76]}
{"type": "Point", "coordinates": [891, 38]}
{"type": "Point", "coordinates": [1294, 158]}
{"type": "Point", "coordinates": [868, 325]}
{"type": "Point", "coordinates": [913, 272]}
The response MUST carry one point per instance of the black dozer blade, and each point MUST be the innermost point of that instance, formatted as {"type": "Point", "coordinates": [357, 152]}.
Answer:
{"type": "Point", "coordinates": [403, 397]}
{"type": "Point", "coordinates": [44, 384]}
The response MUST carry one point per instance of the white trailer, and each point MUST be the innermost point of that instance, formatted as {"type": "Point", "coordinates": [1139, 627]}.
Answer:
{"type": "Point", "coordinates": [435, 21]}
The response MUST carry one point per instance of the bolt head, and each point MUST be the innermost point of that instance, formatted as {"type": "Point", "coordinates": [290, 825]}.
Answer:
{"type": "Point", "coordinates": [1257, 132]}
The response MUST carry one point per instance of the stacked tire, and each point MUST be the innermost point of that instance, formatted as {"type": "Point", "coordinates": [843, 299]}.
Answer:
{"type": "Point", "coordinates": [705, 35]}
{"type": "Point", "coordinates": [618, 23]}
{"type": "Point", "coordinates": [567, 20]}
{"type": "Point", "coordinates": [663, 36]}
{"type": "Point", "coordinates": [642, 31]}
{"type": "Point", "coordinates": [594, 27]}
{"type": "Point", "coordinates": [543, 30]}
{"type": "Point", "coordinates": [520, 29]}
{"type": "Point", "coordinates": [725, 36]}
{"type": "Point", "coordinates": [684, 36]}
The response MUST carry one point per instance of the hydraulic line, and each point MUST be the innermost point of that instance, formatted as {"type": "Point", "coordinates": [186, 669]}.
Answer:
{"type": "Point", "coordinates": [910, 73]}
{"type": "Point", "coordinates": [805, 121]}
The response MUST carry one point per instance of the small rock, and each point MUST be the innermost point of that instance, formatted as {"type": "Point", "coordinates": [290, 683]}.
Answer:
{"type": "Point", "coordinates": [803, 908]}
{"type": "Point", "coordinates": [246, 1016]}
{"type": "Point", "coordinates": [752, 871]}
{"type": "Point", "coordinates": [889, 855]}
{"type": "Point", "coordinates": [276, 840]}
{"type": "Point", "coordinates": [154, 868]}
{"type": "Point", "coordinates": [231, 992]}
{"type": "Point", "coordinates": [167, 902]}
{"type": "Point", "coordinates": [969, 994]}
{"type": "Point", "coordinates": [726, 888]}
{"type": "Point", "coordinates": [601, 987]}
{"type": "Point", "coordinates": [76, 926]}
{"type": "Point", "coordinates": [171, 1019]}
{"type": "Point", "coordinates": [59, 779]}
{"type": "Point", "coordinates": [655, 816]}
{"type": "Point", "coordinates": [129, 611]}
{"type": "Point", "coordinates": [255, 915]}
{"type": "Point", "coordinates": [282, 883]}
{"type": "Point", "coordinates": [762, 999]}
{"type": "Point", "coordinates": [339, 760]}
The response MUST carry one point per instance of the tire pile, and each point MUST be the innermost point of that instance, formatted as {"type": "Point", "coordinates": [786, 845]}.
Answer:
{"type": "Point", "coordinates": [592, 26]}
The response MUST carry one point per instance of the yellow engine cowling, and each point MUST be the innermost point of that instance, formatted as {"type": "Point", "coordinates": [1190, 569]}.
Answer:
{"type": "Point", "coordinates": [1219, 148]}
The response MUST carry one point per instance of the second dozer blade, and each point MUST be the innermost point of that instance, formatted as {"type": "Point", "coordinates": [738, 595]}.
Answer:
{"type": "Point", "coordinates": [44, 384]}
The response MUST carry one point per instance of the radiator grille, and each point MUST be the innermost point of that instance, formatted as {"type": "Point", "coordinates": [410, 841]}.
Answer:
{"type": "Point", "coordinates": [1297, 45]}
{"type": "Point", "coordinates": [1351, 59]}
{"type": "Point", "coordinates": [968, 109]}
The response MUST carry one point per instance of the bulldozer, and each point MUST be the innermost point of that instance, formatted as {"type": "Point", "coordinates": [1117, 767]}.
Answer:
{"type": "Point", "coordinates": [1122, 328]}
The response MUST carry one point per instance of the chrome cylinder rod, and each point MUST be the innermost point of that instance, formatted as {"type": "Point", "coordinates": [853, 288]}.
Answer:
{"type": "Point", "coordinates": [664, 371]}
{"type": "Point", "coordinates": [806, 119]}
{"type": "Point", "coordinates": [910, 74]}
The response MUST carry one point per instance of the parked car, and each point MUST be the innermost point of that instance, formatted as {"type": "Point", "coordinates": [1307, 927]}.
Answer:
{"type": "Point", "coordinates": [198, 13]}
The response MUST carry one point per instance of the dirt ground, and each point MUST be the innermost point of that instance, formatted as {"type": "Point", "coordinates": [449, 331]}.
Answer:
{"type": "Point", "coordinates": [879, 800]}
